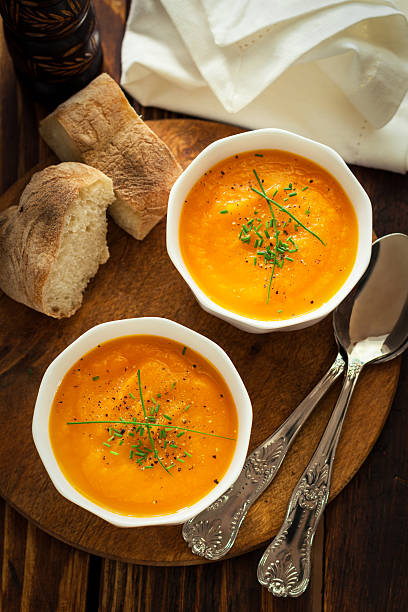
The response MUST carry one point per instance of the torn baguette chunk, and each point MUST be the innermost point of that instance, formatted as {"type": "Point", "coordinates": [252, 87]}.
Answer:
{"type": "Point", "coordinates": [54, 241]}
{"type": "Point", "coordinates": [98, 126]}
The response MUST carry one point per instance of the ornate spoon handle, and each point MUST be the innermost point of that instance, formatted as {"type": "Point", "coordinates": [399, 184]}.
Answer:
{"type": "Point", "coordinates": [285, 565]}
{"type": "Point", "coordinates": [212, 533]}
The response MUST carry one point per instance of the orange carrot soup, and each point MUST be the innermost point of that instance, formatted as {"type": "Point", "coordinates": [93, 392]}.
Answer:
{"type": "Point", "coordinates": [268, 234]}
{"type": "Point", "coordinates": [143, 426]}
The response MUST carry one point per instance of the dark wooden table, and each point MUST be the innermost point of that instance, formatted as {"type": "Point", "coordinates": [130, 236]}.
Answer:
{"type": "Point", "coordinates": [360, 552]}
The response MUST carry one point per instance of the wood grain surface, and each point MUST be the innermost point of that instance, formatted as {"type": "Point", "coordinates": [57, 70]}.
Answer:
{"type": "Point", "coordinates": [278, 370]}
{"type": "Point", "coordinates": [360, 549]}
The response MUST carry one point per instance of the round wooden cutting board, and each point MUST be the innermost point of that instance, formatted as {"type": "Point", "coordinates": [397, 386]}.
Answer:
{"type": "Point", "coordinates": [278, 370]}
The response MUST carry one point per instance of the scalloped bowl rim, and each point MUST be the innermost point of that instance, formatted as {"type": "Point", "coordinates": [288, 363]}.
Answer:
{"type": "Point", "coordinates": [321, 154]}
{"type": "Point", "coordinates": [126, 327]}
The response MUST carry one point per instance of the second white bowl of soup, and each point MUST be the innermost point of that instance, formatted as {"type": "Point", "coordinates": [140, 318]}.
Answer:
{"type": "Point", "coordinates": [269, 229]}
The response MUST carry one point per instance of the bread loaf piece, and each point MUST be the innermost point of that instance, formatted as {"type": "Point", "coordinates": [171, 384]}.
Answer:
{"type": "Point", "coordinates": [53, 242]}
{"type": "Point", "coordinates": [98, 126]}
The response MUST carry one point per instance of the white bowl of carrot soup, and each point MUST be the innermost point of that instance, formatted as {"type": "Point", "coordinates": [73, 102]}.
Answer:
{"type": "Point", "coordinates": [142, 422]}
{"type": "Point", "coordinates": [270, 230]}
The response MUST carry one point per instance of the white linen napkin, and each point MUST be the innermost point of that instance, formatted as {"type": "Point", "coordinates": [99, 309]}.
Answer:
{"type": "Point", "coordinates": [334, 71]}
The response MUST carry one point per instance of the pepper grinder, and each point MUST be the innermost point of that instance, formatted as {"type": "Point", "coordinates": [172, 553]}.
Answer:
{"type": "Point", "coordinates": [54, 44]}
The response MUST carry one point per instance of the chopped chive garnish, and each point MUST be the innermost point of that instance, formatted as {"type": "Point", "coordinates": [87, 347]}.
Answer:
{"type": "Point", "coordinates": [258, 155]}
{"type": "Point", "coordinates": [276, 191]}
{"type": "Point", "coordinates": [106, 444]}
{"type": "Point", "coordinates": [178, 459]}
{"type": "Point", "coordinates": [254, 261]}
{"type": "Point", "coordinates": [289, 258]}
{"type": "Point", "coordinates": [131, 395]}
{"type": "Point", "coordinates": [183, 352]}
{"type": "Point", "coordinates": [95, 377]}
{"type": "Point", "coordinates": [170, 466]}
{"type": "Point", "coordinates": [114, 453]}
{"type": "Point", "coordinates": [223, 212]}
{"type": "Point", "coordinates": [166, 416]}
{"type": "Point", "coordinates": [292, 194]}
{"type": "Point", "coordinates": [307, 211]}
{"type": "Point", "coordinates": [276, 232]}
{"type": "Point", "coordinates": [131, 434]}
{"type": "Point", "coordinates": [304, 188]}
{"type": "Point", "coordinates": [131, 454]}
{"type": "Point", "coordinates": [187, 407]}
{"type": "Point", "coordinates": [188, 454]}
{"type": "Point", "coordinates": [181, 434]}
{"type": "Point", "coordinates": [285, 199]}
{"type": "Point", "coordinates": [172, 445]}
{"type": "Point", "coordinates": [279, 311]}
{"type": "Point", "coordinates": [121, 442]}
{"type": "Point", "coordinates": [148, 426]}
{"type": "Point", "coordinates": [149, 467]}
{"type": "Point", "coordinates": [173, 385]}
{"type": "Point", "coordinates": [165, 444]}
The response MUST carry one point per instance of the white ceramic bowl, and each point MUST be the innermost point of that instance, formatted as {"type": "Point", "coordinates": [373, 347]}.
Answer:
{"type": "Point", "coordinates": [270, 139]}
{"type": "Point", "coordinates": [126, 327]}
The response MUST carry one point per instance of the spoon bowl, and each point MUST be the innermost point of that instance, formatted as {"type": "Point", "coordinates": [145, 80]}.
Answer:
{"type": "Point", "coordinates": [372, 322]}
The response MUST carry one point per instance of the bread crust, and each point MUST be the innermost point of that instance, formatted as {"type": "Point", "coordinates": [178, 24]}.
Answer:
{"type": "Point", "coordinates": [30, 233]}
{"type": "Point", "coordinates": [98, 126]}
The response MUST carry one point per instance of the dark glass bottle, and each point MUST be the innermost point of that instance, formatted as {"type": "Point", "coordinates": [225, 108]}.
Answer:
{"type": "Point", "coordinates": [54, 44]}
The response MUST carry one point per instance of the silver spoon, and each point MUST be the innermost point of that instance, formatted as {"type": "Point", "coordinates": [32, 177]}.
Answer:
{"type": "Point", "coordinates": [370, 325]}
{"type": "Point", "coordinates": [212, 533]}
